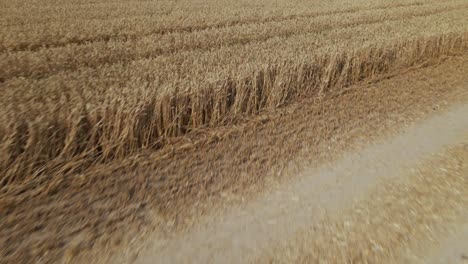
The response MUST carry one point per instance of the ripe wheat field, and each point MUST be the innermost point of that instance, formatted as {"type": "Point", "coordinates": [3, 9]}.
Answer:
{"type": "Point", "coordinates": [95, 95]}
{"type": "Point", "coordinates": [85, 82]}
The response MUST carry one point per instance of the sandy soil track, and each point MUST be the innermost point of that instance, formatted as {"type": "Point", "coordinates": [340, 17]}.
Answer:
{"type": "Point", "coordinates": [391, 199]}
{"type": "Point", "coordinates": [243, 131]}
{"type": "Point", "coordinates": [323, 194]}
{"type": "Point", "coordinates": [119, 212]}
{"type": "Point", "coordinates": [452, 249]}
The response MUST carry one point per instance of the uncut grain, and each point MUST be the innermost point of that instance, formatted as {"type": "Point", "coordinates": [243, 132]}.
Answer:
{"type": "Point", "coordinates": [56, 32]}
{"type": "Point", "coordinates": [47, 61]}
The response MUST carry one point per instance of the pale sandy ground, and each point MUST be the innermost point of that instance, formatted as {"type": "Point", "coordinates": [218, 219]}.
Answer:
{"type": "Point", "coordinates": [453, 249]}
{"type": "Point", "coordinates": [277, 226]}
{"type": "Point", "coordinates": [377, 173]}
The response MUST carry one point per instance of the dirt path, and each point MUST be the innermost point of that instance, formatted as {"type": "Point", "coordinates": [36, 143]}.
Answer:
{"type": "Point", "coordinates": [261, 227]}
{"type": "Point", "coordinates": [191, 205]}
{"type": "Point", "coordinates": [410, 219]}
{"type": "Point", "coordinates": [453, 249]}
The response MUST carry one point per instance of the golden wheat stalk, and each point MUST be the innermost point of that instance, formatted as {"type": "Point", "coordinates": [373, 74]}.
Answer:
{"type": "Point", "coordinates": [32, 147]}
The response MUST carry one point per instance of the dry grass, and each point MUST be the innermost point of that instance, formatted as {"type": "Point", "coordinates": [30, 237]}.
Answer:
{"type": "Point", "coordinates": [80, 85]}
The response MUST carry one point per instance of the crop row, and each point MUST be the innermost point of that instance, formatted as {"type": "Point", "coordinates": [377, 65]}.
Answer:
{"type": "Point", "coordinates": [54, 138]}
{"type": "Point", "coordinates": [61, 32]}
{"type": "Point", "coordinates": [190, 70]}
{"type": "Point", "coordinates": [44, 62]}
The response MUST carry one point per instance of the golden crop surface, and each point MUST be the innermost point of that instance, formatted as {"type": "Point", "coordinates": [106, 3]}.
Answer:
{"type": "Point", "coordinates": [91, 81]}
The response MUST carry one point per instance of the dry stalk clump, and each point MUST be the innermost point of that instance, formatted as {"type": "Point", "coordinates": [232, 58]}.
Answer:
{"type": "Point", "coordinates": [34, 144]}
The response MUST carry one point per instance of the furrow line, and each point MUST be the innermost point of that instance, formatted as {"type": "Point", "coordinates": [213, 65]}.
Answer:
{"type": "Point", "coordinates": [184, 29]}
{"type": "Point", "coordinates": [7, 73]}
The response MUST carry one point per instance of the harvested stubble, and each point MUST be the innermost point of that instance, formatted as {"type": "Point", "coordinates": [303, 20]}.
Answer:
{"type": "Point", "coordinates": [92, 96]}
